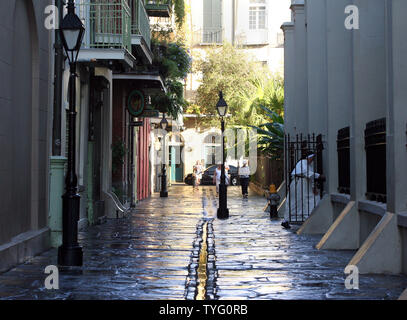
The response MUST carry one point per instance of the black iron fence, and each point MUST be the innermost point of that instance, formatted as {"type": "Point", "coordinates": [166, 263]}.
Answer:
{"type": "Point", "coordinates": [343, 148]}
{"type": "Point", "coordinates": [375, 146]}
{"type": "Point", "coordinates": [303, 174]}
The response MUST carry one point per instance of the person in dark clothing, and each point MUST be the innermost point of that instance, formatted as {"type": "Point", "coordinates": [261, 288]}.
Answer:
{"type": "Point", "coordinates": [244, 175]}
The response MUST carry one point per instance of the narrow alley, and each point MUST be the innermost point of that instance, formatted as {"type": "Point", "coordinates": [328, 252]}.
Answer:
{"type": "Point", "coordinates": [176, 248]}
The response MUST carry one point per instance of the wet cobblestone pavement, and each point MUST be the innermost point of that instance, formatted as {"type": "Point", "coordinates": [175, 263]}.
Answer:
{"type": "Point", "coordinates": [175, 248]}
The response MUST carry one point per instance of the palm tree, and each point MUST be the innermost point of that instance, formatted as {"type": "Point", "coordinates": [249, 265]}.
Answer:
{"type": "Point", "coordinates": [270, 135]}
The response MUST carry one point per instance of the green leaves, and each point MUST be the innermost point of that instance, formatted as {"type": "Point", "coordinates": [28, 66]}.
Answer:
{"type": "Point", "coordinates": [118, 153]}
{"type": "Point", "coordinates": [172, 59]}
{"type": "Point", "coordinates": [173, 63]}
{"type": "Point", "coordinates": [270, 135]}
{"type": "Point", "coordinates": [246, 84]}
{"type": "Point", "coordinates": [173, 101]}
{"type": "Point", "coordinates": [179, 10]}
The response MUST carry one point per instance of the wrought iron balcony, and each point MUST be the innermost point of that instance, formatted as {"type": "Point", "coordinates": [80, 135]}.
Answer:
{"type": "Point", "coordinates": [207, 37]}
{"type": "Point", "coordinates": [107, 24]}
{"type": "Point", "coordinates": [140, 31]}
{"type": "Point", "coordinates": [112, 28]}
{"type": "Point", "coordinates": [158, 8]}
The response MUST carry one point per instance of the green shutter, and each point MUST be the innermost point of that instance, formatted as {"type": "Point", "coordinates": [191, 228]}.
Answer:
{"type": "Point", "coordinates": [212, 14]}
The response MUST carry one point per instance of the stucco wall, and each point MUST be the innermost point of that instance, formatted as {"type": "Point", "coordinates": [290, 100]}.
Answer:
{"type": "Point", "coordinates": [339, 83]}
{"type": "Point", "coordinates": [24, 118]}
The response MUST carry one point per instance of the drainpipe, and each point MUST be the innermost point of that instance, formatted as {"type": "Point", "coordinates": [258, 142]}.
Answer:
{"type": "Point", "coordinates": [58, 65]}
{"type": "Point", "coordinates": [233, 21]}
{"type": "Point", "coordinates": [57, 160]}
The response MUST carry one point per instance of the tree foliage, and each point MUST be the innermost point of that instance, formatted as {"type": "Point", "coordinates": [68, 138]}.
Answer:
{"type": "Point", "coordinates": [179, 10]}
{"type": "Point", "coordinates": [245, 83]}
{"type": "Point", "coordinates": [173, 63]}
{"type": "Point", "coordinates": [172, 59]}
{"type": "Point", "coordinates": [270, 135]}
{"type": "Point", "coordinates": [178, 7]}
{"type": "Point", "coordinates": [255, 97]}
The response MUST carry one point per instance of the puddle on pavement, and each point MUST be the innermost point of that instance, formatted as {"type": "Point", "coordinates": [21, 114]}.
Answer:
{"type": "Point", "coordinates": [202, 267]}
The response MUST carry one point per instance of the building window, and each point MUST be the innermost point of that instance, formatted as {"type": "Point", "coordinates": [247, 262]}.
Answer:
{"type": "Point", "coordinates": [257, 17]}
{"type": "Point", "coordinates": [375, 146]}
{"type": "Point", "coordinates": [343, 148]}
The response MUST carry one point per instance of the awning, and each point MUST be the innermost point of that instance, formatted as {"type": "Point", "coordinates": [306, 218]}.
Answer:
{"type": "Point", "coordinates": [148, 79]}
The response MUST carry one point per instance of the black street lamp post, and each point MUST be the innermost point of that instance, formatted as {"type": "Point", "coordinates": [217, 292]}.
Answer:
{"type": "Point", "coordinates": [223, 211]}
{"type": "Point", "coordinates": [164, 191]}
{"type": "Point", "coordinates": [70, 253]}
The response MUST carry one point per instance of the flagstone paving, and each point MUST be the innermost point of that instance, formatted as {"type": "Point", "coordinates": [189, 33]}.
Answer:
{"type": "Point", "coordinates": [155, 252]}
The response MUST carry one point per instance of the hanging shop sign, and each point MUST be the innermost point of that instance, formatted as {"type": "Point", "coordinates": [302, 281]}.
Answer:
{"type": "Point", "coordinates": [137, 107]}
{"type": "Point", "coordinates": [136, 103]}
{"type": "Point", "coordinates": [149, 113]}
{"type": "Point", "coordinates": [137, 123]}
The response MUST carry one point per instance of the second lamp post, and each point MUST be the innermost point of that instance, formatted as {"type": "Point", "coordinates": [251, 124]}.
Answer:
{"type": "Point", "coordinates": [223, 211]}
{"type": "Point", "coordinates": [164, 192]}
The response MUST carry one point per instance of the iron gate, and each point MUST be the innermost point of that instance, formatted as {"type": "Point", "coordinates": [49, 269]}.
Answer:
{"type": "Point", "coordinates": [343, 149]}
{"type": "Point", "coordinates": [375, 145]}
{"type": "Point", "coordinates": [305, 181]}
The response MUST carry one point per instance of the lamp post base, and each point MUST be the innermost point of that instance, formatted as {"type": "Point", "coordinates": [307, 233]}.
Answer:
{"type": "Point", "coordinates": [273, 213]}
{"type": "Point", "coordinates": [70, 256]}
{"type": "Point", "coordinates": [223, 213]}
{"type": "Point", "coordinates": [164, 191]}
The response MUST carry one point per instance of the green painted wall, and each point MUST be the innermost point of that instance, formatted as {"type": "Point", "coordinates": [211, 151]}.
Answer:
{"type": "Point", "coordinates": [55, 200]}
{"type": "Point", "coordinates": [91, 217]}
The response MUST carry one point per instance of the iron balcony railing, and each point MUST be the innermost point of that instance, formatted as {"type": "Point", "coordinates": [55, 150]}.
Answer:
{"type": "Point", "coordinates": [140, 24]}
{"type": "Point", "coordinates": [111, 23]}
{"type": "Point", "coordinates": [158, 2]}
{"type": "Point", "coordinates": [158, 8]}
{"type": "Point", "coordinates": [207, 36]}
{"type": "Point", "coordinates": [107, 23]}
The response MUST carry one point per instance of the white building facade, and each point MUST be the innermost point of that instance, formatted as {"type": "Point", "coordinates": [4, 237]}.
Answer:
{"type": "Point", "coordinates": [344, 76]}
{"type": "Point", "coordinates": [252, 25]}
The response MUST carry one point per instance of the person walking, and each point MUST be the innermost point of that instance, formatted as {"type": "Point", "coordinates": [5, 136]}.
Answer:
{"type": "Point", "coordinates": [197, 174]}
{"type": "Point", "coordinates": [216, 177]}
{"type": "Point", "coordinates": [194, 179]}
{"type": "Point", "coordinates": [244, 175]}
{"type": "Point", "coordinates": [199, 171]}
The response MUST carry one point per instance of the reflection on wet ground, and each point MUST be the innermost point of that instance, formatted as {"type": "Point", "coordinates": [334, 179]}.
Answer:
{"type": "Point", "coordinates": [175, 248]}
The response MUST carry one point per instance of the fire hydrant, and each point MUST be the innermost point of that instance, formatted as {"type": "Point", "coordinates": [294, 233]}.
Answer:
{"type": "Point", "coordinates": [273, 202]}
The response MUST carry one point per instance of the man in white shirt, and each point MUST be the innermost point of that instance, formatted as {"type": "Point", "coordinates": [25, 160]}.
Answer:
{"type": "Point", "coordinates": [244, 175]}
{"type": "Point", "coordinates": [216, 177]}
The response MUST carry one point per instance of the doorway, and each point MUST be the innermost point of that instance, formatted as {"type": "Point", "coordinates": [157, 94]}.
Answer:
{"type": "Point", "coordinates": [176, 165]}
